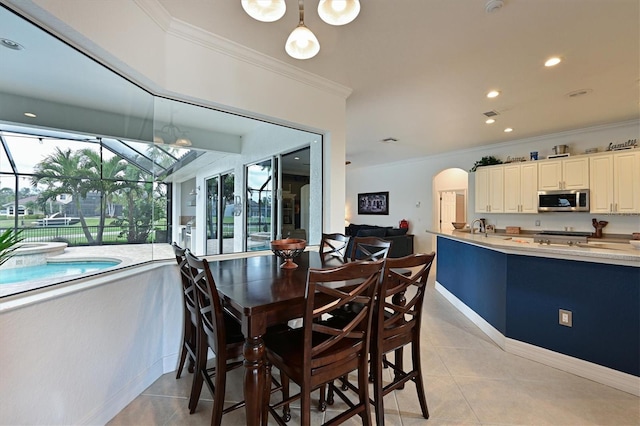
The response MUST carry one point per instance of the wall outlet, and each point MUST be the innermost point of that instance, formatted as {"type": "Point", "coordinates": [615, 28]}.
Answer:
{"type": "Point", "coordinates": [565, 318]}
{"type": "Point", "coordinates": [537, 223]}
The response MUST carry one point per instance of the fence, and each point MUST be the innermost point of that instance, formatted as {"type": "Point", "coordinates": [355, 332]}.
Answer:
{"type": "Point", "coordinates": [75, 236]}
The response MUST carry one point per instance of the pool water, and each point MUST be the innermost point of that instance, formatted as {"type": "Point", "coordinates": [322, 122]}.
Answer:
{"type": "Point", "coordinates": [51, 270]}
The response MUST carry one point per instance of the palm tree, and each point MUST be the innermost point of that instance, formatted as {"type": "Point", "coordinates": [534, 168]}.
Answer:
{"type": "Point", "coordinates": [62, 173]}
{"type": "Point", "coordinates": [107, 184]}
{"type": "Point", "coordinates": [132, 193]}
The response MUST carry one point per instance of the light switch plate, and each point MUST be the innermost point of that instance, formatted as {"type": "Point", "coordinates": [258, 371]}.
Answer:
{"type": "Point", "coordinates": [565, 318]}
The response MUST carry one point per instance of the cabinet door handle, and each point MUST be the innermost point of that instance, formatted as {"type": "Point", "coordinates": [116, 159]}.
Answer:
{"type": "Point", "coordinates": [611, 207]}
{"type": "Point", "coordinates": [615, 206]}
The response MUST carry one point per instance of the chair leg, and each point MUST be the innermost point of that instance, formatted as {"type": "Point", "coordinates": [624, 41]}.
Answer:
{"type": "Point", "coordinates": [322, 404]}
{"type": "Point", "coordinates": [345, 381]}
{"type": "Point", "coordinates": [183, 358]}
{"type": "Point", "coordinates": [330, 399]}
{"type": "Point", "coordinates": [266, 396]}
{"type": "Point", "coordinates": [198, 378]}
{"type": "Point", "coordinates": [399, 364]}
{"type": "Point", "coordinates": [417, 366]}
{"type": "Point", "coordinates": [191, 364]}
{"type": "Point", "coordinates": [196, 389]}
{"type": "Point", "coordinates": [286, 410]}
{"type": "Point", "coordinates": [218, 397]}
{"type": "Point", "coordinates": [378, 397]}
{"type": "Point", "coordinates": [305, 407]}
{"type": "Point", "coordinates": [363, 393]}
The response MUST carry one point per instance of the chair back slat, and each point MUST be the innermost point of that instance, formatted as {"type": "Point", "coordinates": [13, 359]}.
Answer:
{"type": "Point", "coordinates": [188, 290]}
{"type": "Point", "coordinates": [369, 248]}
{"type": "Point", "coordinates": [400, 310]}
{"type": "Point", "coordinates": [211, 311]}
{"type": "Point", "coordinates": [334, 245]}
{"type": "Point", "coordinates": [352, 339]}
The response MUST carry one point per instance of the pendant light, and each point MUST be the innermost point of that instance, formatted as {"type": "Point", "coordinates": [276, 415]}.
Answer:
{"type": "Point", "coordinates": [338, 12]}
{"type": "Point", "coordinates": [265, 10]}
{"type": "Point", "coordinates": [302, 43]}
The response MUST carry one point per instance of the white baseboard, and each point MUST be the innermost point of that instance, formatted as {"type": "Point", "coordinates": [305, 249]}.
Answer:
{"type": "Point", "coordinates": [487, 328]}
{"type": "Point", "coordinates": [124, 396]}
{"type": "Point", "coordinates": [170, 363]}
{"type": "Point", "coordinates": [607, 376]}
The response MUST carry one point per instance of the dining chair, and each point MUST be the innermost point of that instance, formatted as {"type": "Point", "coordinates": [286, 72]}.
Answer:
{"type": "Point", "coordinates": [334, 245]}
{"type": "Point", "coordinates": [220, 332]}
{"type": "Point", "coordinates": [369, 248]}
{"type": "Point", "coordinates": [396, 324]}
{"type": "Point", "coordinates": [190, 320]}
{"type": "Point", "coordinates": [316, 354]}
{"type": "Point", "coordinates": [362, 248]}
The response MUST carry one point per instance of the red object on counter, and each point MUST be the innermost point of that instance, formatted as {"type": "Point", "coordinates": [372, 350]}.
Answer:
{"type": "Point", "coordinates": [404, 224]}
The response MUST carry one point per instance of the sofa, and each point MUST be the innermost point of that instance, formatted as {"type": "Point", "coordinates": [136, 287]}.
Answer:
{"type": "Point", "coordinates": [401, 242]}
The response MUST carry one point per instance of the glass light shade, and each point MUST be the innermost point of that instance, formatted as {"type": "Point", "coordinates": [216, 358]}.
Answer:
{"type": "Point", "coordinates": [338, 12]}
{"type": "Point", "coordinates": [182, 141]}
{"type": "Point", "coordinates": [302, 43]}
{"type": "Point", "coordinates": [265, 10]}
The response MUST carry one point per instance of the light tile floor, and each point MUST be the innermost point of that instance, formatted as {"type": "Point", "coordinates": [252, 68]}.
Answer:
{"type": "Point", "coordinates": [468, 380]}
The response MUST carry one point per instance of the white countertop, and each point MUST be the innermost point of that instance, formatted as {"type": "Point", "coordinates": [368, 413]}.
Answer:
{"type": "Point", "coordinates": [597, 252]}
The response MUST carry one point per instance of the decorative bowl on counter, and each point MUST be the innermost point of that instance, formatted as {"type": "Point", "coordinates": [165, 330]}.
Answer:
{"type": "Point", "coordinates": [635, 244]}
{"type": "Point", "coordinates": [287, 249]}
{"type": "Point", "coordinates": [459, 225]}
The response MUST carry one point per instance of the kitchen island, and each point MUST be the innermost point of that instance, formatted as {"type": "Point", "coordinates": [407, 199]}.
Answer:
{"type": "Point", "coordinates": [513, 289]}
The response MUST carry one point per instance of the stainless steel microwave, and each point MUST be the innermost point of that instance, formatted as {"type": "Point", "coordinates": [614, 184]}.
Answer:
{"type": "Point", "coordinates": [564, 200]}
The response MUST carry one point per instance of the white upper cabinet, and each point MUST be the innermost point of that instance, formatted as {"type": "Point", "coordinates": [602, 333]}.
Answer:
{"type": "Point", "coordinates": [615, 183]}
{"type": "Point", "coordinates": [521, 188]}
{"type": "Point", "coordinates": [490, 189]}
{"type": "Point", "coordinates": [567, 173]}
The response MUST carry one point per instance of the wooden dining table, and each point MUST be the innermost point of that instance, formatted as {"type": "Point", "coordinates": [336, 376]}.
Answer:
{"type": "Point", "coordinates": [260, 294]}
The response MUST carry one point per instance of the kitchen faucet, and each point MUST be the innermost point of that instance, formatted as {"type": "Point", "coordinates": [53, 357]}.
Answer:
{"type": "Point", "coordinates": [482, 226]}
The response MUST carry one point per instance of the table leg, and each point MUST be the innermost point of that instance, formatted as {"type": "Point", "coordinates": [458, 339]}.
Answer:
{"type": "Point", "coordinates": [400, 300]}
{"type": "Point", "coordinates": [254, 380]}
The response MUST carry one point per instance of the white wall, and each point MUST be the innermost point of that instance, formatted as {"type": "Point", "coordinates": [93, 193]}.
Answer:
{"type": "Point", "coordinates": [412, 181]}
{"type": "Point", "coordinates": [83, 355]}
{"type": "Point", "coordinates": [142, 41]}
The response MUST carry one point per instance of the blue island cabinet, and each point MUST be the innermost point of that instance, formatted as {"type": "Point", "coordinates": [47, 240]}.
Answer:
{"type": "Point", "coordinates": [520, 296]}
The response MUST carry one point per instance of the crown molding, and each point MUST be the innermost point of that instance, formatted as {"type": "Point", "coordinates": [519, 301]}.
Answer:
{"type": "Point", "coordinates": [196, 35]}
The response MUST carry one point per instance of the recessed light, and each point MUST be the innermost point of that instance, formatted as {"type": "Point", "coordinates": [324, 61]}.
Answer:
{"type": "Point", "coordinates": [296, 158]}
{"type": "Point", "coordinates": [30, 114]}
{"type": "Point", "coordinates": [490, 121]}
{"type": "Point", "coordinates": [553, 61]}
{"type": "Point", "coordinates": [10, 44]}
{"type": "Point", "coordinates": [493, 94]}
{"type": "Point", "coordinates": [508, 130]}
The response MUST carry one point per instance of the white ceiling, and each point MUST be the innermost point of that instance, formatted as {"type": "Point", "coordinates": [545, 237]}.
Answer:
{"type": "Point", "coordinates": [420, 69]}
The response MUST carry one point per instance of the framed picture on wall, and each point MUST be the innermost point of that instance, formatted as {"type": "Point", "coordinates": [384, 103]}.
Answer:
{"type": "Point", "coordinates": [373, 203]}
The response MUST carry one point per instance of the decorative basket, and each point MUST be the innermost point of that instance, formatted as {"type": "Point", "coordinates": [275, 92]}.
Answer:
{"type": "Point", "coordinates": [288, 249]}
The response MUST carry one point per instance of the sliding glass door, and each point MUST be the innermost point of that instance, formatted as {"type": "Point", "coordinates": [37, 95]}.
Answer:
{"type": "Point", "coordinates": [259, 207]}
{"type": "Point", "coordinates": [293, 207]}
{"type": "Point", "coordinates": [221, 215]}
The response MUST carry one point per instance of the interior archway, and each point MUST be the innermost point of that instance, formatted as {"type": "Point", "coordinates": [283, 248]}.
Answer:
{"type": "Point", "coordinates": [450, 192]}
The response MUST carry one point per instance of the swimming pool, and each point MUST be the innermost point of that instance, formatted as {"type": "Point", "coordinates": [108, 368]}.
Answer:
{"type": "Point", "coordinates": [52, 270]}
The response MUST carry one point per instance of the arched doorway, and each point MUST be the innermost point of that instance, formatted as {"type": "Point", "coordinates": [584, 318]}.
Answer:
{"type": "Point", "coordinates": [450, 191]}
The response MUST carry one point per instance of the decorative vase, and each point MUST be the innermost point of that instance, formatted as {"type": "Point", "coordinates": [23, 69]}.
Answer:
{"type": "Point", "coordinates": [288, 249]}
